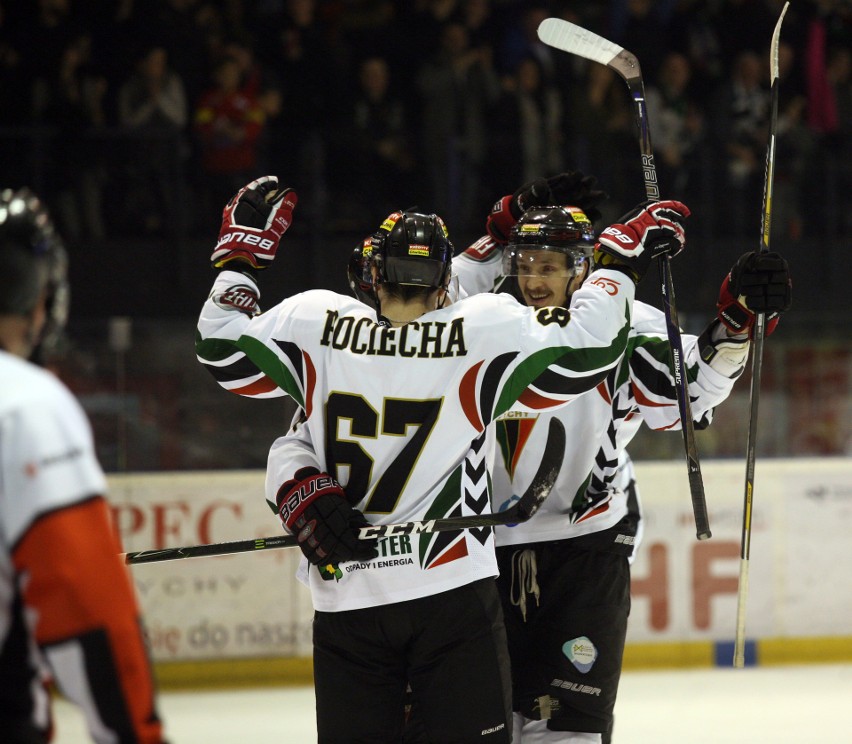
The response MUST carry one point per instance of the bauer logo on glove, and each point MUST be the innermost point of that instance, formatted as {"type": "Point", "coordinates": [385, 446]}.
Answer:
{"type": "Point", "coordinates": [253, 222]}
{"type": "Point", "coordinates": [652, 229]}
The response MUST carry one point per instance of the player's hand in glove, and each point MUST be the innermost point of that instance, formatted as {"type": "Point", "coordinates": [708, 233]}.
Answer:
{"type": "Point", "coordinates": [314, 508]}
{"type": "Point", "coordinates": [508, 210]}
{"type": "Point", "coordinates": [575, 189]}
{"type": "Point", "coordinates": [571, 188]}
{"type": "Point", "coordinates": [253, 222]}
{"type": "Point", "coordinates": [650, 230]}
{"type": "Point", "coordinates": [757, 283]}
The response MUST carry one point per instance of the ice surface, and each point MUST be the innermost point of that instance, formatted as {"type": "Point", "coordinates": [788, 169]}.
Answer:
{"type": "Point", "coordinates": [756, 705]}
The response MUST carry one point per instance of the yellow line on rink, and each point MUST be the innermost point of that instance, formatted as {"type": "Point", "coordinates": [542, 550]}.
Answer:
{"type": "Point", "coordinates": [668, 655]}
{"type": "Point", "coordinates": [771, 651]}
{"type": "Point", "coordinates": [226, 673]}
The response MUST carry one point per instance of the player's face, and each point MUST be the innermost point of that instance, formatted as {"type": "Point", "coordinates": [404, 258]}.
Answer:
{"type": "Point", "coordinates": [545, 278]}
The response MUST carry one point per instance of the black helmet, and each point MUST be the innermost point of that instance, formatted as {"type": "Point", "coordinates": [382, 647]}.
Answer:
{"type": "Point", "coordinates": [413, 248]}
{"type": "Point", "coordinates": [34, 261]}
{"type": "Point", "coordinates": [358, 271]}
{"type": "Point", "coordinates": [565, 230]}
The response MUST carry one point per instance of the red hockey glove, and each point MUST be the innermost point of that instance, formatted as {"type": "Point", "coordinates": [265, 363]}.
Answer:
{"type": "Point", "coordinates": [314, 508]}
{"type": "Point", "coordinates": [757, 283]}
{"type": "Point", "coordinates": [253, 223]}
{"type": "Point", "coordinates": [571, 188]}
{"type": "Point", "coordinates": [652, 229]}
{"type": "Point", "coordinates": [508, 210]}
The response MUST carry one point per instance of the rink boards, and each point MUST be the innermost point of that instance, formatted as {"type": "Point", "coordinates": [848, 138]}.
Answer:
{"type": "Point", "coordinates": [245, 619]}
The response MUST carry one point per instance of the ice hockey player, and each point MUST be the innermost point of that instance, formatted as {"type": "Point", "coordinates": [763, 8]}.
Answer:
{"type": "Point", "coordinates": [402, 399]}
{"type": "Point", "coordinates": [564, 575]}
{"type": "Point", "coordinates": [68, 613]}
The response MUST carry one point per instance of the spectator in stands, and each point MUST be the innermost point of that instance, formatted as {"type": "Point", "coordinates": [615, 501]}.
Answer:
{"type": "Point", "coordinates": [297, 51]}
{"type": "Point", "coordinates": [228, 123]}
{"type": "Point", "coordinates": [458, 86]}
{"type": "Point", "coordinates": [258, 81]}
{"type": "Point", "coordinates": [46, 35]}
{"type": "Point", "coordinates": [637, 25]}
{"type": "Point", "coordinates": [692, 32]}
{"type": "Point", "coordinates": [794, 150]}
{"type": "Point", "coordinates": [606, 134]}
{"type": "Point", "coordinates": [15, 103]}
{"type": "Point", "coordinates": [372, 152]}
{"type": "Point", "coordinates": [677, 124]}
{"type": "Point", "coordinates": [839, 73]}
{"type": "Point", "coordinates": [741, 113]}
{"type": "Point", "coordinates": [71, 104]}
{"type": "Point", "coordinates": [152, 107]}
{"type": "Point", "coordinates": [526, 128]}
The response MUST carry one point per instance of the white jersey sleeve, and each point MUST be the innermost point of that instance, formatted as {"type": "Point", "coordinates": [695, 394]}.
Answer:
{"type": "Point", "coordinates": [653, 386]}
{"type": "Point", "coordinates": [402, 414]}
{"type": "Point", "coordinates": [589, 495]}
{"type": "Point", "coordinates": [479, 267]}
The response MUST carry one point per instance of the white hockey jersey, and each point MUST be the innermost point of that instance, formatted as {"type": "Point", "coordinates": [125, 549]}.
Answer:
{"type": "Point", "coordinates": [67, 608]}
{"type": "Point", "coordinates": [400, 416]}
{"type": "Point", "coordinates": [589, 494]}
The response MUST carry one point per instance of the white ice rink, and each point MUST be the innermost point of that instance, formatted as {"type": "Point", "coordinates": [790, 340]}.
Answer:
{"type": "Point", "coordinates": [757, 705]}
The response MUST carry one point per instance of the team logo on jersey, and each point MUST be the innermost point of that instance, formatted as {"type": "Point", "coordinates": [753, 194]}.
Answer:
{"type": "Point", "coordinates": [238, 297]}
{"type": "Point", "coordinates": [512, 437]}
{"type": "Point", "coordinates": [581, 652]}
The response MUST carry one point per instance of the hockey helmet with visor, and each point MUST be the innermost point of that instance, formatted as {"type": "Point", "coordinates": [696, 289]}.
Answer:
{"type": "Point", "coordinates": [549, 247]}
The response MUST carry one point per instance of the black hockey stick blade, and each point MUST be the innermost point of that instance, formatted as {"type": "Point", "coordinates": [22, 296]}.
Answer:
{"type": "Point", "coordinates": [532, 499]}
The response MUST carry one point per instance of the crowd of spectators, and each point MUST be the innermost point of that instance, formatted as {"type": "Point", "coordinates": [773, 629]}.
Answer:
{"type": "Point", "coordinates": [133, 115]}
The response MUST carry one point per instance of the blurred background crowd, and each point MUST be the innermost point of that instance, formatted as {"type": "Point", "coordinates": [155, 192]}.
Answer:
{"type": "Point", "coordinates": [137, 119]}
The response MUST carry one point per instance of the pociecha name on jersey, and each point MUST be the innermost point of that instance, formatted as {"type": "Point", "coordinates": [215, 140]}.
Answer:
{"type": "Point", "coordinates": [420, 339]}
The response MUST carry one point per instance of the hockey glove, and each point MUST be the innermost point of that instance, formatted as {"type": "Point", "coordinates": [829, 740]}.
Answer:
{"type": "Point", "coordinates": [314, 508]}
{"type": "Point", "coordinates": [757, 283]}
{"type": "Point", "coordinates": [571, 188]}
{"type": "Point", "coordinates": [508, 210]}
{"type": "Point", "coordinates": [253, 222]}
{"type": "Point", "coordinates": [575, 189]}
{"type": "Point", "coordinates": [652, 229]}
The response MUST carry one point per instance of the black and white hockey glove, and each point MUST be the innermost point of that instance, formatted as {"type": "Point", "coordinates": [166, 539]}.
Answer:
{"type": "Point", "coordinates": [314, 507]}
{"type": "Point", "coordinates": [757, 283]}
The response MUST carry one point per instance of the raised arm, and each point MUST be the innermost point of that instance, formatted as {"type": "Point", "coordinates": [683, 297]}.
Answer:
{"type": "Point", "coordinates": [717, 357]}
{"type": "Point", "coordinates": [252, 225]}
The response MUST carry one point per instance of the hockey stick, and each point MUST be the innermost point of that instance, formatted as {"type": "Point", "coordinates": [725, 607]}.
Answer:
{"type": "Point", "coordinates": [521, 511]}
{"type": "Point", "coordinates": [574, 39]}
{"type": "Point", "coordinates": [757, 358]}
